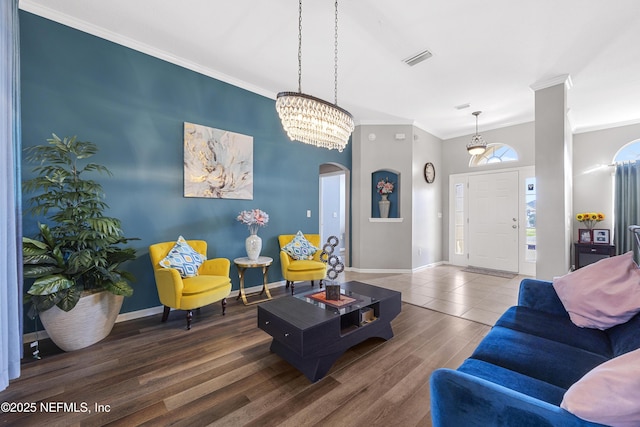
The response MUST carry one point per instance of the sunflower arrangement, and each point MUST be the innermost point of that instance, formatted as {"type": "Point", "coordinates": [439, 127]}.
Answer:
{"type": "Point", "coordinates": [590, 219]}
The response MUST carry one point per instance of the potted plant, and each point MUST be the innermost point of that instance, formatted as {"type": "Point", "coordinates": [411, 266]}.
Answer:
{"type": "Point", "coordinates": [75, 260]}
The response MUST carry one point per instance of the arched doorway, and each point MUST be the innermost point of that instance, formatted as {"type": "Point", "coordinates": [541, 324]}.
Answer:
{"type": "Point", "coordinates": [335, 184]}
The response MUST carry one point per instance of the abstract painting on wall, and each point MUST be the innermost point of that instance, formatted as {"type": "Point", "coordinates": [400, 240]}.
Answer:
{"type": "Point", "coordinates": [217, 163]}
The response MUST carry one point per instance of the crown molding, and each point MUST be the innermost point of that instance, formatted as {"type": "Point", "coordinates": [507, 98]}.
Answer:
{"type": "Point", "coordinates": [605, 126]}
{"type": "Point", "coordinates": [553, 81]}
{"type": "Point", "coordinates": [396, 122]}
{"type": "Point", "coordinates": [80, 25]}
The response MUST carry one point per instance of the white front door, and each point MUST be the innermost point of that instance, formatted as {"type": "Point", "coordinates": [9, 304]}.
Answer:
{"type": "Point", "coordinates": [493, 221]}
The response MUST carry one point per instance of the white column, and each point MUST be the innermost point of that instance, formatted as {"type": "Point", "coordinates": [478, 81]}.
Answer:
{"type": "Point", "coordinates": [553, 160]}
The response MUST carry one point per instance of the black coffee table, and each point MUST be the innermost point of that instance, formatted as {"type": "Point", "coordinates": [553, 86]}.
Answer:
{"type": "Point", "coordinates": [311, 334]}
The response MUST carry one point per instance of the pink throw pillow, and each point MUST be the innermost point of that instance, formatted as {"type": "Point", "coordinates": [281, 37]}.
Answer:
{"type": "Point", "coordinates": [603, 294]}
{"type": "Point", "coordinates": [608, 394]}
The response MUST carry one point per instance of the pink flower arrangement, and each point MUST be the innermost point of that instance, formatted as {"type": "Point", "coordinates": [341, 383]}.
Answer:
{"type": "Point", "coordinates": [385, 186]}
{"type": "Point", "coordinates": [253, 219]}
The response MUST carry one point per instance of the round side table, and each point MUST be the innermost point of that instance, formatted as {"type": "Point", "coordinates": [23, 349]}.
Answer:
{"type": "Point", "coordinates": [242, 264]}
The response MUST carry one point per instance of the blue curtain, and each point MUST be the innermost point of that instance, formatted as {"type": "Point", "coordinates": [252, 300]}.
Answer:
{"type": "Point", "coordinates": [10, 194]}
{"type": "Point", "coordinates": [626, 205]}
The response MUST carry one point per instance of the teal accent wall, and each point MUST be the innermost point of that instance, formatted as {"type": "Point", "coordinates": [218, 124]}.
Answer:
{"type": "Point", "coordinates": [133, 106]}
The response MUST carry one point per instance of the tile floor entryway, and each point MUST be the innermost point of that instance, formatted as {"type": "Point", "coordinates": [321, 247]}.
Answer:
{"type": "Point", "coordinates": [448, 289]}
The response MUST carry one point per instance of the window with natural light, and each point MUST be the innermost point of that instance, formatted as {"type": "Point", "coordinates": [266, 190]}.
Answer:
{"type": "Point", "coordinates": [495, 153]}
{"type": "Point", "coordinates": [628, 153]}
{"type": "Point", "coordinates": [530, 197]}
{"type": "Point", "coordinates": [459, 219]}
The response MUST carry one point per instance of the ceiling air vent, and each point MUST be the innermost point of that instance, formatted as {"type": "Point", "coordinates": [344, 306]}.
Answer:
{"type": "Point", "coordinates": [415, 59]}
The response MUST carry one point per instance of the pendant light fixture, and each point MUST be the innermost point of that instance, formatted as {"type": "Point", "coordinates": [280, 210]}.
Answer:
{"type": "Point", "coordinates": [477, 145]}
{"type": "Point", "coordinates": [312, 120]}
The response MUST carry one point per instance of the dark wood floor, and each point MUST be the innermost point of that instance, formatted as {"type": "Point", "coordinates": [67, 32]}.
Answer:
{"type": "Point", "coordinates": [222, 373]}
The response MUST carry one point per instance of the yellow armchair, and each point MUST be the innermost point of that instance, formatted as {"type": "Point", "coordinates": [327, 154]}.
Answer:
{"type": "Point", "coordinates": [301, 270]}
{"type": "Point", "coordinates": [212, 283]}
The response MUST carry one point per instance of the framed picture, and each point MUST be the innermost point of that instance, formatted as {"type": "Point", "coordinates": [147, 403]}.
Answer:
{"type": "Point", "coordinates": [218, 164]}
{"type": "Point", "coordinates": [584, 235]}
{"type": "Point", "coordinates": [601, 236]}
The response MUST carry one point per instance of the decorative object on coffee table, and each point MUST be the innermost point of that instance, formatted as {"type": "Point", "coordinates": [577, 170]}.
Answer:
{"type": "Point", "coordinates": [332, 292]}
{"type": "Point", "coordinates": [366, 315]}
{"type": "Point", "coordinates": [334, 265]}
{"type": "Point", "coordinates": [340, 301]}
{"type": "Point", "coordinates": [334, 268]}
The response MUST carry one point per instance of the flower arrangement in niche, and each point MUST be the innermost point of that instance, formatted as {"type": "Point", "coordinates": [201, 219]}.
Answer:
{"type": "Point", "coordinates": [589, 219]}
{"type": "Point", "coordinates": [253, 219]}
{"type": "Point", "coordinates": [385, 186]}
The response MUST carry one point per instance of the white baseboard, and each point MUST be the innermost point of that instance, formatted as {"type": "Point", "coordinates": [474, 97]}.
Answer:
{"type": "Point", "coordinates": [380, 270]}
{"type": "Point", "coordinates": [394, 270]}
{"type": "Point", "coordinates": [432, 265]}
{"type": "Point", "coordinates": [131, 315]}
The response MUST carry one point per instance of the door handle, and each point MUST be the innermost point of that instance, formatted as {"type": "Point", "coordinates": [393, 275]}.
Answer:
{"type": "Point", "coordinates": [514, 226]}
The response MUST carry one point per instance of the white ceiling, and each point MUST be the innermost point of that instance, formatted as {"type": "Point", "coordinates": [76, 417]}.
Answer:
{"type": "Point", "coordinates": [486, 53]}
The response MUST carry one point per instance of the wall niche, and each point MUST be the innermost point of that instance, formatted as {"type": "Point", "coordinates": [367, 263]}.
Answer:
{"type": "Point", "coordinates": [385, 175]}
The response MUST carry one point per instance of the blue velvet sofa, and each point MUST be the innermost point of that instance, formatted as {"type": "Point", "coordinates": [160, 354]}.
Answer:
{"type": "Point", "coordinates": [518, 374]}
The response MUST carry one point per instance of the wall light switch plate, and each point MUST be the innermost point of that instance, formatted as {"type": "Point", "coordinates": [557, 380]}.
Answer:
{"type": "Point", "coordinates": [308, 213]}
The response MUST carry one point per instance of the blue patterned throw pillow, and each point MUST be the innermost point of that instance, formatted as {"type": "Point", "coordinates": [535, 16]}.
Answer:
{"type": "Point", "coordinates": [300, 248]}
{"type": "Point", "coordinates": [183, 258]}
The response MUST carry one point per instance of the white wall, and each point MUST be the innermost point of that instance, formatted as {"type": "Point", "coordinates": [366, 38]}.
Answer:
{"type": "Point", "coordinates": [593, 152]}
{"type": "Point", "coordinates": [455, 159]}
{"type": "Point", "coordinates": [381, 245]}
{"type": "Point", "coordinates": [416, 240]}
{"type": "Point", "coordinates": [427, 201]}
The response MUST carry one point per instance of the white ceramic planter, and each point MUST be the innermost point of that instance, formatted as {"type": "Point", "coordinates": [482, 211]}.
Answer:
{"type": "Point", "coordinates": [384, 206]}
{"type": "Point", "coordinates": [90, 321]}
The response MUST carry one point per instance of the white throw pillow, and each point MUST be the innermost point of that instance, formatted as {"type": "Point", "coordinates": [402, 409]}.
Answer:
{"type": "Point", "coordinates": [603, 294]}
{"type": "Point", "coordinates": [609, 393]}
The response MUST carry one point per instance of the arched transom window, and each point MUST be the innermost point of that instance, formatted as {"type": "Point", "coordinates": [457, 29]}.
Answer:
{"type": "Point", "coordinates": [629, 153]}
{"type": "Point", "coordinates": [495, 153]}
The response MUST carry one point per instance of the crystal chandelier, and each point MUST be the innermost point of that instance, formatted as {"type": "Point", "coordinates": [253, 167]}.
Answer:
{"type": "Point", "coordinates": [477, 145]}
{"type": "Point", "coordinates": [312, 120]}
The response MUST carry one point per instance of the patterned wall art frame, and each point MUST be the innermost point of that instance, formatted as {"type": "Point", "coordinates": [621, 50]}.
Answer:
{"type": "Point", "coordinates": [218, 164]}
